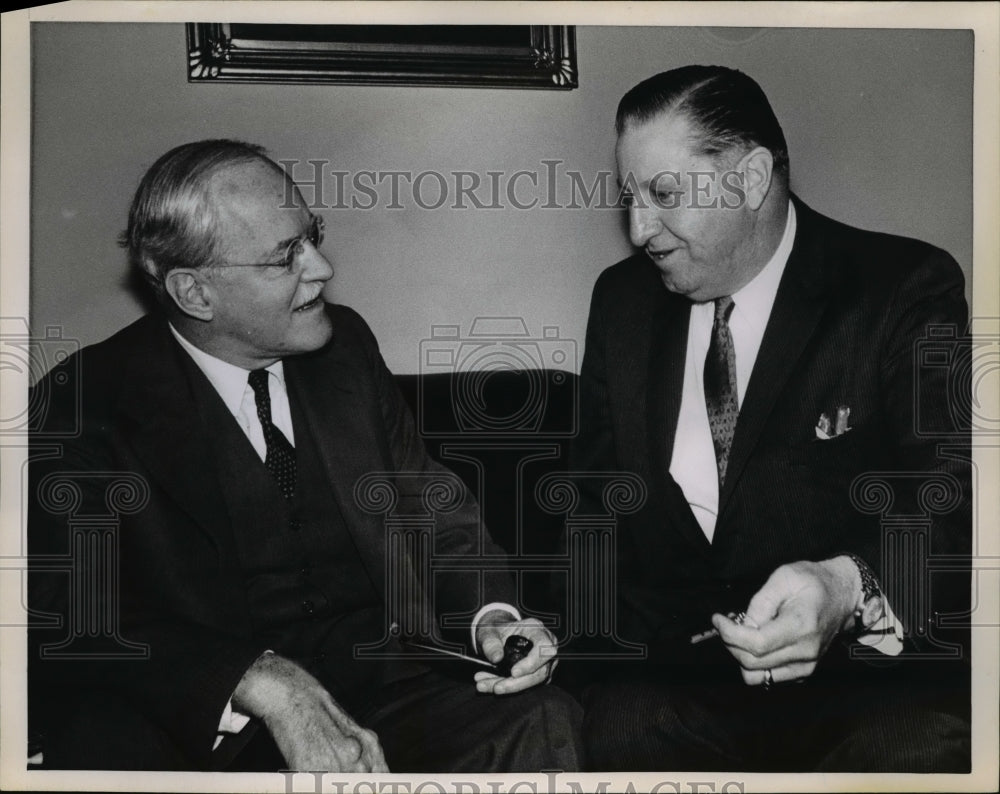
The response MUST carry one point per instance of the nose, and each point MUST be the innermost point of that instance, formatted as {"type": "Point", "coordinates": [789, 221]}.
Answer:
{"type": "Point", "coordinates": [643, 224]}
{"type": "Point", "coordinates": [313, 265]}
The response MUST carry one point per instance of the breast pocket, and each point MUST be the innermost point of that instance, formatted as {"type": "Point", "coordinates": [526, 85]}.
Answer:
{"type": "Point", "coordinates": [861, 448]}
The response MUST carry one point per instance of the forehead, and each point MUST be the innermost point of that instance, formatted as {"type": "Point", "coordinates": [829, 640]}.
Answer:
{"type": "Point", "coordinates": [253, 195]}
{"type": "Point", "coordinates": [665, 142]}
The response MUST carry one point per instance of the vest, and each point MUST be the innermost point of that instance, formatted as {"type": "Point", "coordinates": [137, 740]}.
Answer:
{"type": "Point", "coordinates": [307, 590]}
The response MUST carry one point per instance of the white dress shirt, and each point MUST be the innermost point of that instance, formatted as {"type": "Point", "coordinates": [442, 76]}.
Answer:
{"type": "Point", "coordinates": [692, 463]}
{"type": "Point", "coordinates": [233, 386]}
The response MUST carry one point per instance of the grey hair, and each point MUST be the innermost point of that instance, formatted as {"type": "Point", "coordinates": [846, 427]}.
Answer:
{"type": "Point", "coordinates": [172, 222]}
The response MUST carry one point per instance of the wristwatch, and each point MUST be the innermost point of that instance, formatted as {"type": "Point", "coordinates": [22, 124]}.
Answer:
{"type": "Point", "coordinates": [872, 606]}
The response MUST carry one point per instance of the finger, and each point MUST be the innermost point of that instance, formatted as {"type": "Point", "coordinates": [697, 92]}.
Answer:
{"type": "Point", "coordinates": [372, 750]}
{"type": "Point", "coordinates": [541, 664]}
{"type": "Point", "coordinates": [791, 654]}
{"type": "Point", "coordinates": [349, 751]}
{"type": "Point", "coordinates": [376, 758]}
{"type": "Point", "coordinates": [486, 681]}
{"type": "Point", "coordinates": [491, 643]}
{"type": "Point", "coordinates": [778, 633]}
{"type": "Point", "coordinates": [779, 675]}
{"type": "Point", "coordinates": [507, 686]}
{"type": "Point", "coordinates": [766, 602]}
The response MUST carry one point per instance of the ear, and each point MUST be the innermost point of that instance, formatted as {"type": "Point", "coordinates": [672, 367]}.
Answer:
{"type": "Point", "coordinates": [758, 167]}
{"type": "Point", "coordinates": [190, 292]}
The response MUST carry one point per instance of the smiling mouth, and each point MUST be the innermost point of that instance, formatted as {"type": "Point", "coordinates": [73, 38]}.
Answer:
{"type": "Point", "coordinates": [310, 304]}
{"type": "Point", "coordinates": [659, 256]}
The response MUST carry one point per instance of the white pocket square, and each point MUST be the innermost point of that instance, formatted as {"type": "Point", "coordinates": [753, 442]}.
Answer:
{"type": "Point", "coordinates": [826, 429]}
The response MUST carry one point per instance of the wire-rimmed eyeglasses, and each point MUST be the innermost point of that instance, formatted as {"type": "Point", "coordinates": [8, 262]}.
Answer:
{"type": "Point", "coordinates": [314, 236]}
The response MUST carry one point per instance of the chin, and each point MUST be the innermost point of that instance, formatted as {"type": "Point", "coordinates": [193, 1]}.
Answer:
{"type": "Point", "coordinates": [672, 283]}
{"type": "Point", "coordinates": [314, 337]}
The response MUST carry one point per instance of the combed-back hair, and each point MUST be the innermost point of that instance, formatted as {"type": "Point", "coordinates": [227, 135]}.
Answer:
{"type": "Point", "coordinates": [728, 110]}
{"type": "Point", "coordinates": [171, 222]}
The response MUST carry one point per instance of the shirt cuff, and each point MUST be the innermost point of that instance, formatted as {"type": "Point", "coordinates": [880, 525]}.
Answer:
{"type": "Point", "coordinates": [886, 634]}
{"type": "Point", "coordinates": [232, 721]}
{"type": "Point", "coordinates": [496, 605]}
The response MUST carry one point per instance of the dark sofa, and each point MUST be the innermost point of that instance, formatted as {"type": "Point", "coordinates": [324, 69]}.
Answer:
{"type": "Point", "coordinates": [502, 431]}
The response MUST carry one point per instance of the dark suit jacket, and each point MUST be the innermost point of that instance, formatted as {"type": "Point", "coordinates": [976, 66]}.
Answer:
{"type": "Point", "coordinates": [844, 330]}
{"type": "Point", "coordinates": [181, 588]}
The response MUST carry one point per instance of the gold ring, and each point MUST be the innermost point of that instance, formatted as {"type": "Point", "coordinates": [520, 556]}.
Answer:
{"type": "Point", "coordinates": [768, 679]}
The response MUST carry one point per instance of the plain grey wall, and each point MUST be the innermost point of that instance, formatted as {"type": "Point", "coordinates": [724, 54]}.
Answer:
{"type": "Point", "coordinates": [879, 125]}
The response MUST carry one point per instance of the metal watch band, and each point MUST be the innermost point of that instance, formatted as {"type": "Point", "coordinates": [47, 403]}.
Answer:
{"type": "Point", "coordinates": [869, 589]}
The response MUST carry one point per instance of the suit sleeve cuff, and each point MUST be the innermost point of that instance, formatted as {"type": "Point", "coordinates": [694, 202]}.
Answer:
{"type": "Point", "coordinates": [495, 606]}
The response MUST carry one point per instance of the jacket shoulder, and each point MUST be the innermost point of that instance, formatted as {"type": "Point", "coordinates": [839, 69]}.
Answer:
{"type": "Point", "coordinates": [95, 376]}
{"type": "Point", "coordinates": [875, 258]}
{"type": "Point", "coordinates": [350, 330]}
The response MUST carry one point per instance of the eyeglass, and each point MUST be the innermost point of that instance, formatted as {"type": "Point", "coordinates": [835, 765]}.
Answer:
{"type": "Point", "coordinates": [314, 236]}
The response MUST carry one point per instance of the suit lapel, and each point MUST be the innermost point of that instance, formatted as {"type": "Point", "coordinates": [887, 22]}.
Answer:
{"type": "Point", "coordinates": [798, 306]}
{"type": "Point", "coordinates": [322, 385]}
{"type": "Point", "coordinates": [666, 376]}
{"type": "Point", "coordinates": [164, 425]}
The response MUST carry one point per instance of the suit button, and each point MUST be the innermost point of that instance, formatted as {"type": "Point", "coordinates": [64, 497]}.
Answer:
{"type": "Point", "coordinates": [306, 570]}
{"type": "Point", "coordinates": [320, 658]}
{"type": "Point", "coordinates": [295, 525]}
{"type": "Point", "coordinates": [308, 607]}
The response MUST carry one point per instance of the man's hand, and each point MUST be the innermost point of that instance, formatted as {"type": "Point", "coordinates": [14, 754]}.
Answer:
{"type": "Point", "coordinates": [533, 669]}
{"type": "Point", "coordinates": [792, 619]}
{"type": "Point", "coordinates": [312, 732]}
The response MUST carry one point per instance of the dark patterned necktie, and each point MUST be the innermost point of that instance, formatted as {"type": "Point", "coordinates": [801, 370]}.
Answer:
{"type": "Point", "coordinates": [280, 458]}
{"type": "Point", "coordinates": [721, 396]}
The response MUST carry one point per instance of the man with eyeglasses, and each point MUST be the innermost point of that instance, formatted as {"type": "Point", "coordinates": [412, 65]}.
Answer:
{"type": "Point", "coordinates": [249, 409]}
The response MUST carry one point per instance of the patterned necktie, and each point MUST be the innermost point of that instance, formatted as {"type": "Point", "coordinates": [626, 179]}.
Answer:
{"type": "Point", "coordinates": [280, 458]}
{"type": "Point", "coordinates": [721, 396]}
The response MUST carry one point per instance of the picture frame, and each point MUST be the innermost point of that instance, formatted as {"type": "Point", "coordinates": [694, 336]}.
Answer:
{"type": "Point", "coordinates": [485, 56]}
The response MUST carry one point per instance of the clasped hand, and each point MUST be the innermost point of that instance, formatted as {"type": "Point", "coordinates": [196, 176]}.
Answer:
{"type": "Point", "coordinates": [311, 730]}
{"type": "Point", "coordinates": [791, 621]}
{"type": "Point", "coordinates": [535, 668]}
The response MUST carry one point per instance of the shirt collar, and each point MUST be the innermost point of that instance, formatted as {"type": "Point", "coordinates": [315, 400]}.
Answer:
{"type": "Point", "coordinates": [754, 300]}
{"type": "Point", "coordinates": [228, 380]}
